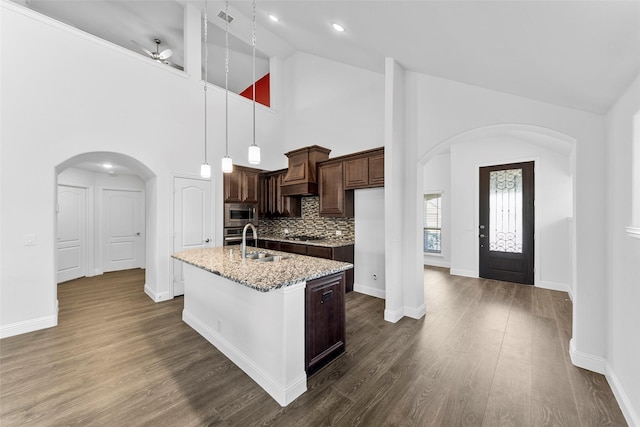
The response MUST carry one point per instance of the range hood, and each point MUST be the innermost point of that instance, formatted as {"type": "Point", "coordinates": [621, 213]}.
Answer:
{"type": "Point", "coordinates": [301, 179]}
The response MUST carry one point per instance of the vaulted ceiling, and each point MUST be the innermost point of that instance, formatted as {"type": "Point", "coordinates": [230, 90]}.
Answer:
{"type": "Point", "coordinates": [579, 54]}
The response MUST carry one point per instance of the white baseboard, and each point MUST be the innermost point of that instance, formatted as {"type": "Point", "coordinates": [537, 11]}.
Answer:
{"type": "Point", "coordinates": [282, 395]}
{"type": "Point", "coordinates": [464, 273]}
{"type": "Point", "coordinates": [416, 312]}
{"type": "Point", "coordinates": [393, 315]}
{"type": "Point", "coordinates": [30, 325]}
{"type": "Point", "coordinates": [95, 272]}
{"type": "Point", "coordinates": [157, 297]}
{"type": "Point", "coordinates": [586, 361]}
{"type": "Point", "coordinates": [601, 366]}
{"type": "Point", "coordinates": [630, 415]}
{"type": "Point", "coordinates": [435, 262]}
{"type": "Point", "coordinates": [368, 290]}
{"type": "Point", "coordinates": [554, 286]}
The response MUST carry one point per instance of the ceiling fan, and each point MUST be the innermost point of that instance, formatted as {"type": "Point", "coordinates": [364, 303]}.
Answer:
{"type": "Point", "coordinates": [157, 55]}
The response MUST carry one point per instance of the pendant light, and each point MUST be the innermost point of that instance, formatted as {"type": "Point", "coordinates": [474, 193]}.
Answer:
{"type": "Point", "coordinates": [227, 163]}
{"type": "Point", "coordinates": [254, 150]}
{"type": "Point", "coordinates": [205, 168]}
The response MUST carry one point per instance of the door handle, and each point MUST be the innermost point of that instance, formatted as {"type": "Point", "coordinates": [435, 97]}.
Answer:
{"type": "Point", "coordinates": [207, 241]}
{"type": "Point", "coordinates": [482, 235]}
{"type": "Point", "coordinates": [138, 233]}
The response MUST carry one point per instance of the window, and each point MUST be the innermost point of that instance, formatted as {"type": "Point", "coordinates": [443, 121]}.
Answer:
{"type": "Point", "coordinates": [432, 220]}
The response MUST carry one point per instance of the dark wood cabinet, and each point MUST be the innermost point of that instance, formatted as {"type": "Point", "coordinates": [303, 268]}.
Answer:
{"type": "Point", "coordinates": [241, 185]}
{"type": "Point", "coordinates": [356, 173]}
{"type": "Point", "coordinates": [334, 200]}
{"type": "Point", "coordinates": [325, 331]}
{"type": "Point", "coordinates": [293, 248]}
{"type": "Point", "coordinates": [272, 203]}
{"type": "Point", "coordinates": [364, 170]}
{"type": "Point", "coordinates": [376, 170]}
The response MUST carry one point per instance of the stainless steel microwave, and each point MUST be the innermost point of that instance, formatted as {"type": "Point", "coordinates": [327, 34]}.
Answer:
{"type": "Point", "coordinates": [239, 214]}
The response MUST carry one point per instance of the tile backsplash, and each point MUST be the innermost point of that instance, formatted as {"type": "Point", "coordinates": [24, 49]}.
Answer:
{"type": "Point", "coordinates": [310, 223]}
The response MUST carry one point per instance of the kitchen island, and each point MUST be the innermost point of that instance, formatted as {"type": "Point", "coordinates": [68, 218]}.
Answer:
{"type": "Point", "coordinates": [256, 311]}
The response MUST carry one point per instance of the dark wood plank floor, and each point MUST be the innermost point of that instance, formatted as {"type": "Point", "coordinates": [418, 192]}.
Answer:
{"type": "Point", "coordinates": [487, 353]}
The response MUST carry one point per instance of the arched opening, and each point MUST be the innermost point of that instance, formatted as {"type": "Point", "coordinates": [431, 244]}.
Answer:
{"type": "Point", "coordinates": [103, 217]}
{"type": "Point", "coordinates": [456, 161]}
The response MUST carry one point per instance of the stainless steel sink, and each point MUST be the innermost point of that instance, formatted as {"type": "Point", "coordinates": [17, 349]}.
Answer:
{"type": "Point", "coordinates": [271, 258]}
{"type": "Point", "coordinates": [258, 255]}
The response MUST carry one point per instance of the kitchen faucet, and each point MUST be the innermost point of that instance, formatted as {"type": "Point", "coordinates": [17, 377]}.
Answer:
{"type": "Point", "coordinates": [244, 238]}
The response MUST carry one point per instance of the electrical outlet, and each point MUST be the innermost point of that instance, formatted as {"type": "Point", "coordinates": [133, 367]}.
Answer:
{"type": "Point", "coordinates": [338, 233]}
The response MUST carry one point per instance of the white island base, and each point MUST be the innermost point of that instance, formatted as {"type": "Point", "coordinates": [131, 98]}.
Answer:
{"type": "Point", "coordinates": [263, 333]}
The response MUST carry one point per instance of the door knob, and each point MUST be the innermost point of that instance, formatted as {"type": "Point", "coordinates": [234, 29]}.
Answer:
{"type": "Point", "coordinates": [207, 241]}
{"type": "Point", "coordinates": [138, 233]}
{"type": "Point", "coordinates": [482, 235]}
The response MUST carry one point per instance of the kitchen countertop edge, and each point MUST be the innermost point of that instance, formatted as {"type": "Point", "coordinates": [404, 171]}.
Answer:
{"type": "Point", "coordinates": [326, 243]}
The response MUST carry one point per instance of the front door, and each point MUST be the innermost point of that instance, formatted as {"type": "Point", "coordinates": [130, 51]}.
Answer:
{"type": "Point", "coordinates": [506, 222]}
{"type": "Point", "coordinates": [72, 214]}
{"type": "Point", "coordinates": [123, 229]}
{"type": "Point", "coordinates": [192, 221]}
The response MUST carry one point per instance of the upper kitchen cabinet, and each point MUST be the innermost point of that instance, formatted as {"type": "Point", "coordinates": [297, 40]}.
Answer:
{"type": "Point", "coordinates": [271, 201]}
{"type": "Point", "coordinates": [334, 200]}
{"type": "Point", "coordinates": [364, 170]}
{"type": "Point", "coordinates": [241, 185]}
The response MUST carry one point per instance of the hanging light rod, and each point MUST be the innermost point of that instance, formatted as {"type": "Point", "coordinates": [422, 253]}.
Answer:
{"type": "Point", "coordinates": [205, 168]}
{"type": "Point", "coordinates": [227, 163]}
{"type": "Point", "coordinates": [254, 150]}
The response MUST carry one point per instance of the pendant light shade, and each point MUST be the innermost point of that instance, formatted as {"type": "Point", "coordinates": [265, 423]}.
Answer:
{"type": "Point", "coordinates": [254, 154]}
{"type": "Point", "coordinates": [205, 170]}
{"type": "Point", "coordinates": [227, 164]}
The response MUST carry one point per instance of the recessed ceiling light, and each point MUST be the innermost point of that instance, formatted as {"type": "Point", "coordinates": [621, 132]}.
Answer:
{"type": "Point", "coordinates": [107, 165]}
{"type": "Point", "coordinates": [337, 27]}
{"type": "Point", "coordinates": [273, 18]}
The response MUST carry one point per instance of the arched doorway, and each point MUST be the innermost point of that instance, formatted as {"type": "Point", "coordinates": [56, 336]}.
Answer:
{"type": "Point", "coordinates": [500, 144]}
{"type": "Point", "coordinates": [101, 214]}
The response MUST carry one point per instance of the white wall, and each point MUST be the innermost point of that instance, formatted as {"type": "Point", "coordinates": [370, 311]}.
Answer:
{"type": "Point", "coordinates": [94, 182]}
{"type": "Point", "coordinates": [369, 253]}
{"type": "Point", "coordinates": [553, 208]}
{"type": "Point", "coordinates": [437, 178]}
{"type": "Point", "coordinates": [332, 105]}
{"type": "Point", "coordinates": [623, 273]}
{"type": "Point", "coordinates": [95, 96]}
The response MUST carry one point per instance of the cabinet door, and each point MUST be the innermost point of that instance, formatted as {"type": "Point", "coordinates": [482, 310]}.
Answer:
{"type": "Point", "coordinates": [249, 187]}
{"type": "Point", "coordinates": [356, 173]}
{"type": "Point", "coordinates": [324, 321]}
{"type": "Point", "coordinates": [376, 170]}
{"type": "Point", "coordinates": [334, 201]}
{"type": "Point", "coordinates": [233, 187]}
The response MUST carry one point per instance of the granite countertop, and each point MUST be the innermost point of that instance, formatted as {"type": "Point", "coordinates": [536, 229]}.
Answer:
{"type": "Point", "coordinates": [261, 276]}
{"type": "Point", "coordinates": [333, 242]}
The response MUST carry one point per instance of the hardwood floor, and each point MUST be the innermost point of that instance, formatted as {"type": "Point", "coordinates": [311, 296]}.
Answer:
{"type": "Point", "coordinates": [487, 353]}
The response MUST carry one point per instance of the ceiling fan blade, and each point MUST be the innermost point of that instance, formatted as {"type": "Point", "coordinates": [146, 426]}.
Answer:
{"type": "Point", "coordinates": [165, 54]}
{"type": "Point", "coordinates": [144, 49]}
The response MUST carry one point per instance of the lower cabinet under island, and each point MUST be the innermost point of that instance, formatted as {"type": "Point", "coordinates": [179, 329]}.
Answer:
{"type": "Point", "coordinates": [278, 321]}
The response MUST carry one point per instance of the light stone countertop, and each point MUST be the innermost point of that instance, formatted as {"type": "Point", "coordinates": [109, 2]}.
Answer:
{"type": "Point", "coordinates": [327, 243]}
{"type": "Point", "coordinates": [261, 276]}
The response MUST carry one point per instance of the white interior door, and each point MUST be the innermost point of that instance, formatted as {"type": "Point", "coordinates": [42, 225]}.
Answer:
{"type": "Point", "coordinates": [123, 229]}
{"type": "Point", "coordinates": [72, 226]}
{"type": "Point", "coordinates": [192, 221]}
